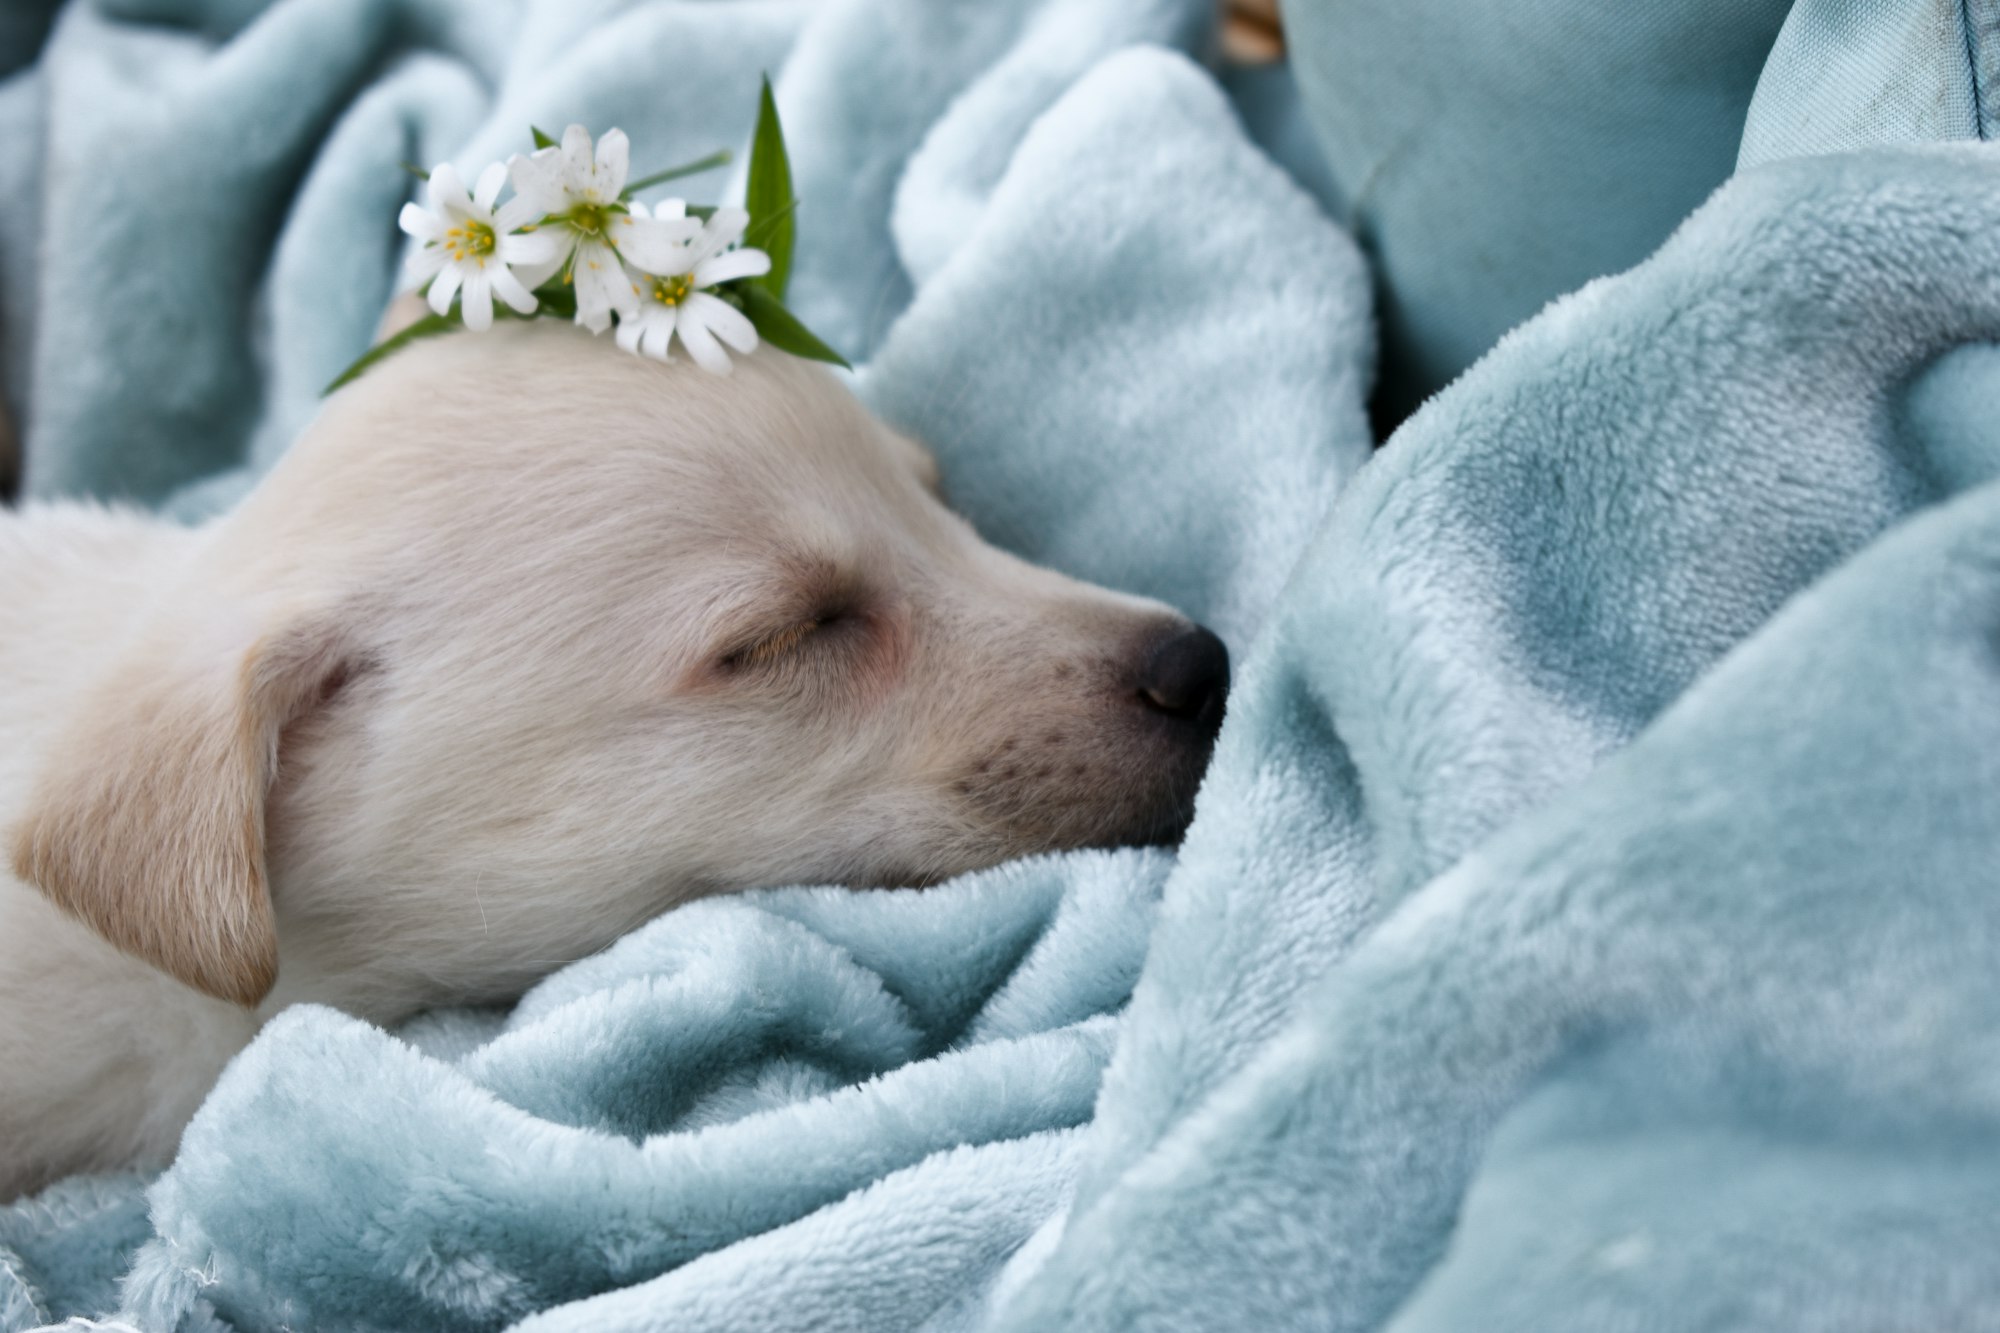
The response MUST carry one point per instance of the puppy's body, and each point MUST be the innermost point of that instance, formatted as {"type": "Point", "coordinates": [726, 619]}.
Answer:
{"type": "Point", "coordinates": [524, 642]}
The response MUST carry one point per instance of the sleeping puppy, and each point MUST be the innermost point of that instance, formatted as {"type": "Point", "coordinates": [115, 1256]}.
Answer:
{"type": "Point", "coordinates": [523, 643]}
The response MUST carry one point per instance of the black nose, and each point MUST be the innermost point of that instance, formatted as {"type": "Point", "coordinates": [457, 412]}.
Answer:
{"type": "Point", "coordinates": [1188, 677]}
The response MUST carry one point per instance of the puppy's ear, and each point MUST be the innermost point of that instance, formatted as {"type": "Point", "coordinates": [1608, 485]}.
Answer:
{"type": "Point", "coordinates": [148, 825]}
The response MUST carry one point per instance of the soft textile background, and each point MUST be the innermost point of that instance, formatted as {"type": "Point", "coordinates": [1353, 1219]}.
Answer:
{"type": "Point", "coordinates": [1845, 74]}
{"type": "Point", "coordinates": [1588, 921]}
{"type": "Point", "coordinates": [1494, 156]}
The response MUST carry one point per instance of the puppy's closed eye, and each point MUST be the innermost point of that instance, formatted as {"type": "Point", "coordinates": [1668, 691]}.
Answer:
{"type": "Point", "coordinates": [775, 646]}
{"type": "Point", "coordinates": [817, 612]}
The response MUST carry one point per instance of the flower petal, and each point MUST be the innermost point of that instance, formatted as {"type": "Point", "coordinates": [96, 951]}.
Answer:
{"type": "Point", "coordinates": [487, 188]}
{"type": "Point", "coordinates": [476, 303]}
{"type": "Point", "coordinates": [722, 230]}
{"type": "Point", "coordinates": [444, 289]}
{"type": "Point", "coordinates": [614, 163]}
{"type": "Point", "coordinates": [730, 265]}
{"type": "Point", "coordinates": [448, 197]}
{"type": "Point", "coordinates": [669, 209]}
{"type": "Point", "coordinates": [420, 223]}
{"type": "Point", "coordinates": [533, 275]}
{"type": "Point", "coordinates": [516, 213]}
{"type": "Point", "coordinates": [658, 334]}
{"type": "Point", "coordinates": [656, 246]}
{"type": "Point", "coordinates": [576, 159]}
{"type": "Point", "coordinates": [426, 261]}
{"type": "Point", "coordinates": [637, 280]}
{"type": "Point", "coordinates": [509, 289]}
{"type": "Point", "coordinates": [724, 320]}
{"type": "Point", "coordinates": [700, 343]}
{"type": "Point", "coordinates": [535, 247]}
{"type": "Point", "coordinates": [629, 331]}
{"type": "Point", "coordinates": [539, 179]}
{"type": "Point", "coordinates": [601, 287]}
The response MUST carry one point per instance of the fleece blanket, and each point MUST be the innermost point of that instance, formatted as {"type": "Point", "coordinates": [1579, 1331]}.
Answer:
{"type": "Point", "coordinates": [1588, 920]}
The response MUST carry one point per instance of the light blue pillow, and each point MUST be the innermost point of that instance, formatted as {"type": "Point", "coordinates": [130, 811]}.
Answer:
{"type": "Point", "coordinates": [1495, 155]}
{"type": "Point", "coordinates": [1849, 74]}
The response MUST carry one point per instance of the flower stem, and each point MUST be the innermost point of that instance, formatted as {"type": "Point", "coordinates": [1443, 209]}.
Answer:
{"type": "Point", "coordinates": [719, 158]}
{"type": "Point", "coordinates": [427, 327]}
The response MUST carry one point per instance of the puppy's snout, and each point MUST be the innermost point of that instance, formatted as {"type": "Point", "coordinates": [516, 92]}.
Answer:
{"type": "Point", "coordinates": [1187, 677]}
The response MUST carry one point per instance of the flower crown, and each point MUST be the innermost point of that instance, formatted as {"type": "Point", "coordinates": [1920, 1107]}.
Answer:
{"type": "Point", "coordinates": [574, 243]}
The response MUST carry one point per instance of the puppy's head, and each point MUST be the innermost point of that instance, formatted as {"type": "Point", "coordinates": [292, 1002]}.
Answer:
{"type": "Point", "coordinates": [527, 640]}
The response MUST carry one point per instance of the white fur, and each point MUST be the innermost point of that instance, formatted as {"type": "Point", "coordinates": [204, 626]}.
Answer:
{"type": "Point", "coordinates": [516, 643]}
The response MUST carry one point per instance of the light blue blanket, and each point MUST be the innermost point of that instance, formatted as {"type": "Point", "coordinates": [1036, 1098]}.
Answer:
{"type": "Point", "coordinates": [1590, 920]}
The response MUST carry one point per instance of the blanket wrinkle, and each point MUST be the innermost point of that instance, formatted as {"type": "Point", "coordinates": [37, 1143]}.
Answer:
{"type": "Point", "coordinates": [616, 1210]}
{"type": "Point", "coordinates": [949, 180]}
{"type": "Point", "coordinates": [1593, 606]}
{"type": "Point", "coordinates": [847, 281]}
{"type": "Point", "coordinates": [1221, 552]}
{"type": "Point", "coordinates": [1587, 919]}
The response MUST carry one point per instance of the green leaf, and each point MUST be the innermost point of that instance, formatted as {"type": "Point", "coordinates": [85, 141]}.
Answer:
{"type": "Point", "coordinates": [720, 158]}
{"type": "Point", "coordinates": [415, 170]}
{"type": "Point", "coordinates": [769, 196]}
{"type": "Point", "coordinates": [427, 327]}
{"type": "Point", "coordinates": [780, 327]}
{"type": "Point", "coordinates": [765, 227]}
{"type": "Point", "coordinates": [541, 140]}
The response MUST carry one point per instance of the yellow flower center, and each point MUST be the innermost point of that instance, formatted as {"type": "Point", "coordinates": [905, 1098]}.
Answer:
{"type": "Point", "coordinates": [590, 219]}
{"type": "Point", "coordinates": [470, 240]}
{"type": "Point", "coordinates": [674, 290]}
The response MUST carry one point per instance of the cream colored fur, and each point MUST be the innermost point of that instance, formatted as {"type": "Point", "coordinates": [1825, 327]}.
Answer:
{"type": "Point", "coordinates": [523, 643]}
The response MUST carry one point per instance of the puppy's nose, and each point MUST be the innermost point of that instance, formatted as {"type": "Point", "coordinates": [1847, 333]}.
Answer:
{"type": "Point", "coordinates": [1188, 677]}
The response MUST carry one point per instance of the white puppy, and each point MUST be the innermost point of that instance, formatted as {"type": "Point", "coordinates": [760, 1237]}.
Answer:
{"type": "Point", "coordinates": [523, 643]}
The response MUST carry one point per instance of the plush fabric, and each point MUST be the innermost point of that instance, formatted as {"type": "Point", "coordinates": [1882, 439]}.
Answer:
{"type": "Point", "coordinates": [1588, 920]}
{"type": "Point", "coordinates": [713, 1080]}
{"type": "Point", "coordinates": [66, 1249]}
{"type": "Point", "coordinates": [1620, 802]}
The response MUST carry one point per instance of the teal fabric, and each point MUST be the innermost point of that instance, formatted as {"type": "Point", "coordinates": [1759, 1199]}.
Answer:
{"type": "Point", "coordinates": [1616, 785]}
{"type": "Point", "coordinates": [1492, 156]}
{"type": "Point", "coordinates": [1588, 920]}
{"type": "Point", "coordinates": [66, 1249]}
{"type": "Point", "coordinates": [1847, 74]}
{"type": "Point", "coordinates": [872, 1094]}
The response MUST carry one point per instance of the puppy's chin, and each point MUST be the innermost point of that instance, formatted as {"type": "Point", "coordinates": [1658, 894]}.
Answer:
{"type": "Point", "coordinates": [1165, 822]}
{"type": "Point", "coordinates": [1149, 804]}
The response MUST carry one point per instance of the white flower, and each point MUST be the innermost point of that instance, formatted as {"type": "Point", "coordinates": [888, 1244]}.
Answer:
{"type": "Point", "coordinates": [579, 190]}
{"type": "Point", "coordinates": [469, 248]}
{"type": "Point", "coordinates": [671, 300]}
